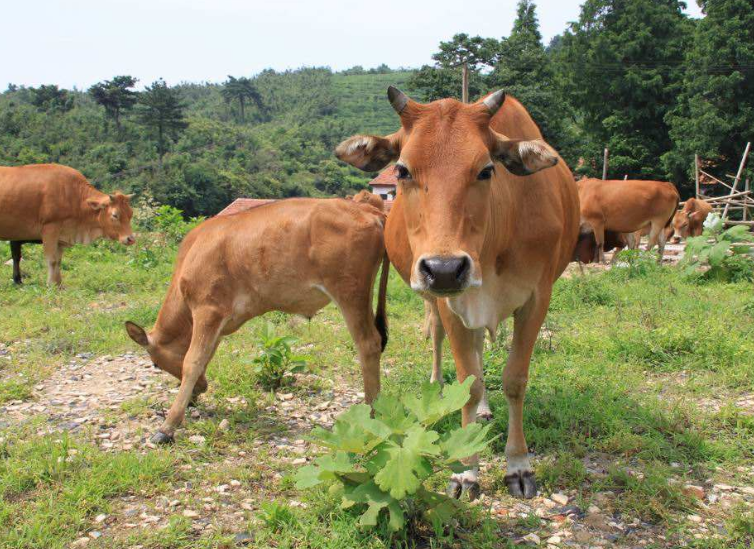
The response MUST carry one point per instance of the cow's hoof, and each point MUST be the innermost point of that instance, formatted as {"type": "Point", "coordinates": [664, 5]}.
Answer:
{"type": "Point", "coordinates": [485, 416]}
{"type": "Point", "coordinates": [521, 484]}
{"type": "Point", "coordinates": [161, 438]}
{"type": "Point", "coordinates": [456, 488]}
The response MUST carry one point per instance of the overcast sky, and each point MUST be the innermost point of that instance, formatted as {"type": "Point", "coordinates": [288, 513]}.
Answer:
{"type": "Point", "coordinates": [79, 42]}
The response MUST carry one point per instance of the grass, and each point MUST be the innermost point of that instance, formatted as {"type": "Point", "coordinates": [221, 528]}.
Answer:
{"type": "Point", "coordinates": [629, 357]}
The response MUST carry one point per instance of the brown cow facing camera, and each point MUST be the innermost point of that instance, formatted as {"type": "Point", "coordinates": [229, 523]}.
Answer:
{"type": "Point", "coordinates": [689, 220]}
{"type": "Point", "coordinates": [485, 220]}
{"type": "Point", "coordinates": [56, 205]}
{"type": "Point", "coordinates": [294, 256]}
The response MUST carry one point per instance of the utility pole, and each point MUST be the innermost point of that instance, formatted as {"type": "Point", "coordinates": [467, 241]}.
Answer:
{"type": "Point", "coordinates": [465, 83]}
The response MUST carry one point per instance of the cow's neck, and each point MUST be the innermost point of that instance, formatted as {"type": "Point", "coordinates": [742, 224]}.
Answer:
{"type": "Point", "coordinates": [87, 227]}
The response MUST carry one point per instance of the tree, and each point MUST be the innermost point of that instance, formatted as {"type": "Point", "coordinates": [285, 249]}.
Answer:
{"type": "Point", "coordinates": [470, 53]}
{"type": "Point", "coordinates": [715, 113]}
{"type": "Point", "coordinates": [162, 111]}
{"type": "Point", "coordinates": [620, 67]}
{"type": "Point", "coordinates": [524, 69]}
{"type": "Point", "coordinates": [116, 96]}
{"type": "Point", "coordinates": [240, 90]}
{"type": "Point", "coordinates": [430, 83]}
{"type": "Point", "coordinates": [51, 98]}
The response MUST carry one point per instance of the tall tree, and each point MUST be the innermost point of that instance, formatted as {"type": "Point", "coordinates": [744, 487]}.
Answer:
{"type": "Point", "coordinates": [162, 111]}
{"type": "Point", "coordinates": [469, 53]}
{"type": "Point", "coordinates": [116, 96]}
{"type": "Point", "coordinates": [524, 69]}
{"type": "Point", "coordinates": [51, 98]}
{"type": "Point", "coordinates": [241, 90]}
{"type": "Point", "coordinates": [715, 113]}
{"type": "Point", "coordinates": [620, 66]}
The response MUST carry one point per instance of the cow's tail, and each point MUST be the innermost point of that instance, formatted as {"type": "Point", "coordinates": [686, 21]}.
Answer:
{"type": "Point", "coordinates": [380, 318]}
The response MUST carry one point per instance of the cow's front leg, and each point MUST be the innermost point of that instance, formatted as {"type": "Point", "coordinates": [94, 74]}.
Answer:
{"type": "Point", "coordinates": [53, 254]}
{"type": "Point", "coordinates": [205, 336]}
{"type": "Point", "coordinates": [527, 322]}
{"type": "Point", "coordinates": [465, 343]}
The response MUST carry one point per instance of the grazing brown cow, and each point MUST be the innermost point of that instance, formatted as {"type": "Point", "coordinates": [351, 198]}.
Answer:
{"type": "Point", "coordinates": [689, 221]}
{"type": "Point", "coordinates": [472, 228]}
{"type": "Point", "coordinates": [56, 205]}
{"type": "Point", "coordinates": [626, 206]}
{"type": "Point", "coordinates": [587, 243]}
{"type": "Point", "coordinates": [294, 256]}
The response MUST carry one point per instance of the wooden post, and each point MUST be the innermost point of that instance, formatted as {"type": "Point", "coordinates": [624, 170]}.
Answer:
{"type": "Point", "coordinates": [696, 174]}
{"type": "Point", "coordinates": [625, 177]}
{"type": "Point", "coordinates": [738, 175]}
{"type": "Point", "coordinates": [604, 163]}
{"type": "Point", "coordinates": [465, 83]}
{"type": "Point", "coordinates": [746, 201]}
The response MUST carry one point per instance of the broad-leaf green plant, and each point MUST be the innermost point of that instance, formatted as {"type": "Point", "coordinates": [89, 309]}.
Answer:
{"type": "Point", "coordinates": [382, 462]}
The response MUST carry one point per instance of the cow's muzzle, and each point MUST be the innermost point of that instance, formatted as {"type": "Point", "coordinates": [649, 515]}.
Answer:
{"type": "Point", "coordinates": [445, 275]}
{"type": "Point", "coordinates": [128, 240]}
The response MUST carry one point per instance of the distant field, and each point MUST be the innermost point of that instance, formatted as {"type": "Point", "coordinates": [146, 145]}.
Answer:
{"type": "Point", "coordinates": [363, 98]}
{"type": "Point", "coordinates": [642, 386]}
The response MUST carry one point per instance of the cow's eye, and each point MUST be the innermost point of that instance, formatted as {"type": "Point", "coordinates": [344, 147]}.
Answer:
{"type": "Point", "coordinates": [401, 172]}
{"type": "Point", "coordinates": [486, 173]}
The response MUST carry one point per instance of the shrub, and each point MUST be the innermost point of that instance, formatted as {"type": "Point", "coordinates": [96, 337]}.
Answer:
{"type": "Point", "coordinates": [170, 222]}
{"type": "Point", "coordinates": [722, 255]}
{"type": "Point", "coordinates": [276, 359]}
{"type": "Point", "coordinates": [383, 463]}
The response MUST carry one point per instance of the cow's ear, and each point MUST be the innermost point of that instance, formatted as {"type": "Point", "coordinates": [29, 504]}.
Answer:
{"type": "Point", "coordinates": [98, 203]}
{"type": "Point", "coordinates": [369, 152]}
{"type": "Point", "coordinates": [523, 157]}
{"type": "Point", "coordinates": [137, 333]}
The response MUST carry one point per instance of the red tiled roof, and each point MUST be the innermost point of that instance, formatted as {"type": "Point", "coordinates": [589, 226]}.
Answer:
{"type": "Point", "coordinates": [386, 177]}
{"type": "Point", "coordinates": [244, 204]}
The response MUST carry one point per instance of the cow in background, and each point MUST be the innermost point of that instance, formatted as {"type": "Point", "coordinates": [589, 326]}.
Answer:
{"type": "Point", "coordinates": [689, 220]}
{"type": "Point", "coordinates": [56, 205]}
{"type": "Point", "coordinates": [485, 220]}
{"type": "Point", "coordinates": [626, 206]}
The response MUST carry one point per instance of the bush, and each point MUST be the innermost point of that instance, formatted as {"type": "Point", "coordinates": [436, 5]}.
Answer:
{"type": "Point", "coordinates": [383, 463]}
{"type": "Point", "coordinates": [722, 255]}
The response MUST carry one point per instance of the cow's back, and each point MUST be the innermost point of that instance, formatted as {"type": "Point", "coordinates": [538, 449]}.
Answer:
{"type": "Point", "coordinates": [626, 205]}
{"type": "Point", "coordinates": [34, 195]}
{"type": "Point", "coordinates": [279, 252]}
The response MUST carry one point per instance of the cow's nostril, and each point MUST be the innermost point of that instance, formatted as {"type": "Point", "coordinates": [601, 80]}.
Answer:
{"type": "Point", "coordinates": [462, 269]}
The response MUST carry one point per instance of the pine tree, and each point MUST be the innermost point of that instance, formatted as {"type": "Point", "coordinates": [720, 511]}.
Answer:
{"type": "Point", "coordinates": [241, 90]}
{"type": "Point", "coordinates": [715, 113]}
{"type": "Point", "coordinates": [620, 67]}
{"type": "Point", "coordinates": [116, 96]}
{"type": "Point", "coordinates": [468, 53]}
{"type": "Point", "coordinates": [162, 111]}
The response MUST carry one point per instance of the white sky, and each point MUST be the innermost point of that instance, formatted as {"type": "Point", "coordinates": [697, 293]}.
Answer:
{"type": "Point", "coordinates": [79, 42]}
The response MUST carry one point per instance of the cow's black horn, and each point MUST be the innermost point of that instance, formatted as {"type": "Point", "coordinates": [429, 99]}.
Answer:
{"type": "Point", "coordinates": [397, 98]}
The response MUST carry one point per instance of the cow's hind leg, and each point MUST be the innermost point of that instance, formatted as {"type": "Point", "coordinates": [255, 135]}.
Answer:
{"type": "Point", "coordinates": [359, 318]}
{"type": "Point", "coordinates": [527, 322]}
{"type": "Point", "coordinates": [599, 238]}
{"type": "Point", "coordinates": [465, 344]}
{"type": "Point", "coordinates": [15, 252]}
{"type": "Point", "coordinates": [205, 336]}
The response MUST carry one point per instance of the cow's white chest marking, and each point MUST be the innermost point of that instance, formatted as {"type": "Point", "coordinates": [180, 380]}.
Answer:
{"type": "Point", "coordinates": [487, 306]}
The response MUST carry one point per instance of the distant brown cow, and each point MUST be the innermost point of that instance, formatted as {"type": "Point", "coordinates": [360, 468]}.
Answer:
{"type": "Point", "coordinates": [626, 207]}
{"type": "Point", "coordinates": [689, 221]}
{"type": "Point", "coordinates": [56, 205]}
{"type": "Point", "coordinates": [586, 247]}
{"type": "Point", "coordinates": [294, 256]}
{"type": "Point", "coordinates": [365, 197]}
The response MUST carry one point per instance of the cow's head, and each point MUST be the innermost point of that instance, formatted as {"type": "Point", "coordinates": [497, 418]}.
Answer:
{"type": "Point", "coordinates": [682, 220]}
{"type": "Point", "coordinates": [446, 155]}
{"type": "Point", "coordinates": [114, 215]}
{"type": "Point", "coordinates": [166, 355]}
{"type": "Point", "coordinates": [365, 197]}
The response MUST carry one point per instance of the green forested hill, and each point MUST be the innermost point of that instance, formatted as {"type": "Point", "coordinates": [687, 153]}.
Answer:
{"type": "Point", "coordinates": [362, 97]}
{"type": "Point", "coordinates": [281, 146]}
